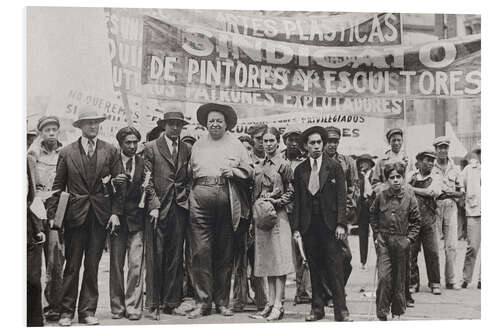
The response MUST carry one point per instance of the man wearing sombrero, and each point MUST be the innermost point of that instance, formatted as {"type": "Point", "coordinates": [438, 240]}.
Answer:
{"type": "Point", "coordinates": [83, 168]}
{"type": "Point", "coordinates": [218, 200]}
{"type": "Point", "coordinates": [167, 159]}
{"type": "Point", "coordinates": [319, 220]}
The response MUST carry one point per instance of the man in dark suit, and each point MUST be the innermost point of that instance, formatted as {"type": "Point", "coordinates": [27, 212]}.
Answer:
{"type": "Point", "coordinates": [82, 170]}
{"type": "Point", "coordinates": [167, 159]}
{"type": "Point", "coordinates": [130, 235]}
{"type": "Point", "coordinates": [319, 219]}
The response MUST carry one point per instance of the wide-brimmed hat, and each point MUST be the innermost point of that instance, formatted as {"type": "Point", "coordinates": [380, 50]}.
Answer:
{"type": "Point", "coordinates": [226, 110]}
{"type": "Point", "coordinates": [172, 115]}
{"type": "Point", "coordinates": [366, 157]}
{"type": "Point", "coordinates": [311, 130]}
{"type": "Point", "coordinates": [45, 120]}
{"type": "Point", "coordinates": [189, 139]}
{"type": "Point", "coordinates": [88, 113]}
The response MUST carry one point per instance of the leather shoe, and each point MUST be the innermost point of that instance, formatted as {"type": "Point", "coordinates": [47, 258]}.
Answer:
{"type": "Point", "coordinates": [117, 316]}
{"type": "Point", "coordinates": [410, 304]}
{"type": "Point", "coordinates": [436, 290]}
{"type": "Point", "coordinates": [177, 311]}
{"type": "Point", "coordinates": [199, 312]}
{"type": "Point", "coordinates": [479, 285]}
{"type": "Point", "coordinates": [345, 319]}
{"type": "Point", "coordinates": [313, 316]}
{"type": "Point", "coordinates": [134, 316]}
{"type": "Point", "coordinates": [225, 311]}
{"type": "Point", "coordinates": [464, 285]}
{"type": "Point", "coordinates": [382, 318]}
{"type": "Point", "coordinates": [453, 286]}
{"type": "Point", "coordinates": [89, 320]}
{"type": "Point", "coordinates": [64, 321]}
{"type": "Point", "coordinates": [51, 315]}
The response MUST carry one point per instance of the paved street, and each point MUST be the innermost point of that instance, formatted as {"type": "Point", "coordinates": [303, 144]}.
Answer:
{"type": "Point", "coordinates": [462, 304]}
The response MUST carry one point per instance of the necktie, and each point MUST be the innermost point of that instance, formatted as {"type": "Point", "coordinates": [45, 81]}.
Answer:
{"type": "Point", "coordinates": [90, 148]}
{"type": "Point", "coordinates": [314, 178]}
{"type": "Point", "coordinates": [174, 151]}
{"type": "Point", "coordinates": [128, 167]}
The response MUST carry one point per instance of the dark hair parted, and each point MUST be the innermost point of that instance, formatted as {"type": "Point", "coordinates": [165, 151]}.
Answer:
{"type": "Point", "coordinates": [274, 131]}
{"type": "Point", "coordinates": [128, 130]}
{"type": "Point", "coordinates": [390, 167]}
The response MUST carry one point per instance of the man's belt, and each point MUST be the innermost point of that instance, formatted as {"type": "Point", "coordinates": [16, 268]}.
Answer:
{"type": "Point", "coordinates": [211, 181]}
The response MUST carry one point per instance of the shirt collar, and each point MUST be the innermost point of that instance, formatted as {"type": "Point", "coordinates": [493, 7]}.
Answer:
{"type": "Point", "coordinates": [396, 195]}
{"type": "Point", "coordinates": [273, 160]}
{"type": "Point", "coordinates": [170, 141]}
{"type": "Point", "coordinates": [125, 158]}
{"type": "Point", "coordinates": [85, 141]}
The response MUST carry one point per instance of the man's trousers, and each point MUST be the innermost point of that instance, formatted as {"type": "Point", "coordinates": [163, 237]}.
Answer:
{"type": "Point", "coordinates": [392, 253]}
{"type": "Point", "coordinates": [428, 239]}
{"type": "Point", "coordinates": [473, 247]}
{"type": "Point", "coordinates": [364, 230]}
{"type": "Point", "coordinates": [89, 239]}
{"type": "Point", "coordinates": [447, 214]}
{"type": "Point", "coordinates": [211, 238]}
{"type": "Point", "coordinates": [326, 259]}
{"type": "Point", "coordinates": [126, 299]}
{"type": "Point", "coordinates": [34, 286]}
{"type": "Point", "coordinates": [54, 262]}
{"type": "Point", "coordinates": [169, 252]}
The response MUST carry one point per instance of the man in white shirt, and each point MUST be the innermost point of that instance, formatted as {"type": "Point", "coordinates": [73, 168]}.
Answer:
{"type": "Point", "coordinates": [471, 176]}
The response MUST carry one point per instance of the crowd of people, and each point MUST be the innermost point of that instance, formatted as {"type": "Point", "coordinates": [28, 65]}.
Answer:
{"type": "Point", "coordinates": [201, 216]}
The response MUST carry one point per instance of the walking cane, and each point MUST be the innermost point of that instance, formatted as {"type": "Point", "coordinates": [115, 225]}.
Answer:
{"type": "Point", "coordinates": [300, 245]}
{"type": "Point", "coordinates": [156, 287]}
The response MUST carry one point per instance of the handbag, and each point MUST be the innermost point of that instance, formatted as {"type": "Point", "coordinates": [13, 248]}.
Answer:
{"type": "Point", "coordinates": [264, 214]}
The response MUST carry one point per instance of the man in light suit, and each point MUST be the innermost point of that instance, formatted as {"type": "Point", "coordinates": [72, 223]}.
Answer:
{"type": "Point", "coordinates": [167, 159]}
{"type": "Point", "coordinates": [83, 169]}
{"type": "Point", "coordinates": [127, 300]}
{"type": "Point", "coordinates": [319, 219]}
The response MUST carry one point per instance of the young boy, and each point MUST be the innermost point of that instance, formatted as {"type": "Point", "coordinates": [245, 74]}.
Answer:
{"type": "Point", "coordinates": [395, 220]}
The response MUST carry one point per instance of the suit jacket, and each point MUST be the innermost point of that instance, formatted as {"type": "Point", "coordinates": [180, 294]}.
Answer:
{"type": "Point", "coordinates": [331, 195]}
{"type": "Point", "coordinates": [129, 196]}
{"type": "Point", "coordinates": [84, 194]}
{"type": "Point", "coordinates": [169, 183]}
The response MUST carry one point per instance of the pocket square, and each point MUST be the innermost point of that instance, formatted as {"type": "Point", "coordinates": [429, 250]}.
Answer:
{"type": "Point", "coordinates": [333, 181]}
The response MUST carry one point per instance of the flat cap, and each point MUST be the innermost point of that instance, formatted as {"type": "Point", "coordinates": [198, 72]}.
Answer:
{"type": "Point", "coordinates": [441, 140]}
{"type": "Point", "coordinates": [45, 120]}
{"type": "Point", "coordinates": [291, 129]}
{"type": "Point", "coordinates": [392, 132]}
{"type": "Point", "coordinates": [333, 132]}
{"type": "Point", "coordinates": [428, 152]}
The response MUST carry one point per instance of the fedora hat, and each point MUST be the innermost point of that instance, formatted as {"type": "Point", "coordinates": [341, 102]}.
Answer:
{"type": "Point", "coordinates": [311, 130]}
{"type": "Point", "coordinates": [226, 110]}
{"type": "Point", "coordinates": [172, 115]}
{"type": "Point", "coordinates": [87, 112]}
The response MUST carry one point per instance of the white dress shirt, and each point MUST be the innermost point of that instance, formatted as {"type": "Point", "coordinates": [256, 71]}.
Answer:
{"type": "Point", "coordinates": [125, 160]}
{"type": "Point", "coordinates": [319, 159]}
{"type": "Point", "coordinates": [85, 144]}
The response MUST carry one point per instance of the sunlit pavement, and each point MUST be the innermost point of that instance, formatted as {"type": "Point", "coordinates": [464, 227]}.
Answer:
{"type": "Point", "coordinates": [452, 304]}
